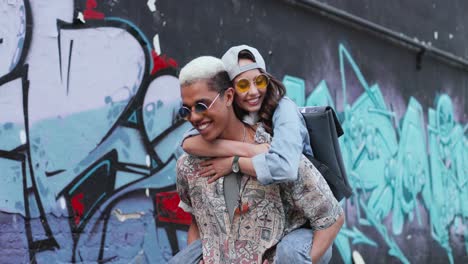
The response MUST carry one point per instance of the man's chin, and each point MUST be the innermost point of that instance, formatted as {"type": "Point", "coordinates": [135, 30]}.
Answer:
{"type": "Point", "coordinates": [208, 135]}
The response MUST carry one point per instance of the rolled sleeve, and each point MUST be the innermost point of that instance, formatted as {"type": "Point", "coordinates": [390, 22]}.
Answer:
{"type": "Point", "coordinates": [261, 168]}
{"type": "Point", "coordinates": [320, 206]}
{"type": "Point", "coordinates": [190, 133]}
{"type": "Point", "coordinates": [326, 220]}
{"type": "Point", "coordinates": [281, 162]}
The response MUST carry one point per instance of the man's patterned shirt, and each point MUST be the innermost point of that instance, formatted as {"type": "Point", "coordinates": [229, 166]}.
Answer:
{"type": "Point", "coordinates": [272, 210]}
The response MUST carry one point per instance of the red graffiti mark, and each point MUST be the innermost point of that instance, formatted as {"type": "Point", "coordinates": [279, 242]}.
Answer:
{"type": "Point", "coordinates": [161, 62]}
{"type": "Point", "coordinates": [90, 13]}
{"type": "Point", "coordinates": [78, 207]}
{"type": "Point", "coordinates": [168, 209]}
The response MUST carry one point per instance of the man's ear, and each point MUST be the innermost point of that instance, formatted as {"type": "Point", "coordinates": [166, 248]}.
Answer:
{"type": "Point", "coordinates": [229, 96]}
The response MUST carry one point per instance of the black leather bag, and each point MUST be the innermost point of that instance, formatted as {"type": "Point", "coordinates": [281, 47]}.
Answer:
{"type": "Point", "coordinates": [324, 129]}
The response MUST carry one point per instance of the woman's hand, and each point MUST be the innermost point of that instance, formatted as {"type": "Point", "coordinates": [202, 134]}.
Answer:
{"type": "Point", "coordinates": [216, 168]}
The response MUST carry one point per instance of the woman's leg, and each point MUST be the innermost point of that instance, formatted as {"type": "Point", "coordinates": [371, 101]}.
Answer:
{"type": "Point", "coordinates": [192, 254]}
{"type": "Point", "coordinates": [295, 248]}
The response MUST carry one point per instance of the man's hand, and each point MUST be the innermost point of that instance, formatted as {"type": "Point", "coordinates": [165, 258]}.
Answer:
{"type": "Point", "coordinates": [216, 168]}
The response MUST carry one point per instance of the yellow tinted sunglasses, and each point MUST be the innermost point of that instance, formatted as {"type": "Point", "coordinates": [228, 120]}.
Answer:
{"type": "Point", "coordinates": [261, 82]}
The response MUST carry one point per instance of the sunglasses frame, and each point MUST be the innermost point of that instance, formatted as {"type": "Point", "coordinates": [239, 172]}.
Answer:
{"type": "Point", "coordinates": [189, 110]}
{"type": "Point", "coordinates": [253, 81]}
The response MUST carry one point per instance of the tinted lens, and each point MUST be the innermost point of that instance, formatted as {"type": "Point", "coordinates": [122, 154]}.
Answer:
{"type": "Point", "coordinates": [184, 112]}
{"type": "Point", "coordinates": [261, 81]}
{"type": "Point", "coordinates": [243, 85]}
{"type": "Point", "coordinates": [200, 107]}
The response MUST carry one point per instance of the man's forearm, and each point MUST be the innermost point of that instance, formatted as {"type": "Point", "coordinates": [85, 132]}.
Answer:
{"type": "Point", "coordinates": [193, 232]}
{"type": "Point", "coordinates": [323, 239]}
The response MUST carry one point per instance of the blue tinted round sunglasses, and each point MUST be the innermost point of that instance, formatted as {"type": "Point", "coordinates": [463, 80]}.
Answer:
{"type": "Point", "coordinates": [199, 108]}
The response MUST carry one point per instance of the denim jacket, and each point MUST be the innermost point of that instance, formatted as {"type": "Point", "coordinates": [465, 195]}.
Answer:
{"type": "Point", "coordinates": [290, 140]}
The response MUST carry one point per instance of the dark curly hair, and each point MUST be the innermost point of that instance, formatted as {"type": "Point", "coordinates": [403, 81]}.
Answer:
{"type": "Point", "coordinates": [274, 92]}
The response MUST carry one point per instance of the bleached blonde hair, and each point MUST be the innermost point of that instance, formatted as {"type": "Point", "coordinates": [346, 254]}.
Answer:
{"type": "Point", "coordinates": [201, 68]}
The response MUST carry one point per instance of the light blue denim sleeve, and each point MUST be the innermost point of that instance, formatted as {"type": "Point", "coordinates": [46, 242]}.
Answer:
{"type": "Point", "coordinates": [190, 133]}
{"type": "Point", "coordinates": [281, 162]}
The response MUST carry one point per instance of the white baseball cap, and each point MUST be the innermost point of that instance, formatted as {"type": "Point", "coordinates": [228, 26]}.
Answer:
{"type": "Point", "coordinates": [231, 61]}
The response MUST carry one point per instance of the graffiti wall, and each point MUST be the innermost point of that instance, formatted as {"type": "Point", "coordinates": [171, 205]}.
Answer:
{"type": "Point", "coordinates": [89, 128]}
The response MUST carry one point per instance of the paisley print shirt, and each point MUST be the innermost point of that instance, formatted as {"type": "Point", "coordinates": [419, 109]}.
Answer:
{"type": "Point", "coordinates": [266, 212]}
